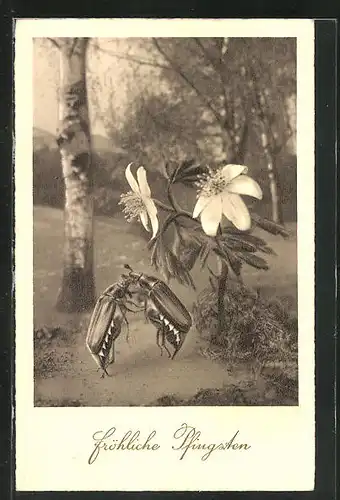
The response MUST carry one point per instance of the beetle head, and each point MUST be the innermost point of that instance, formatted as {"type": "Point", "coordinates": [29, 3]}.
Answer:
{"type": "Point", "coordinates": [135, 277]}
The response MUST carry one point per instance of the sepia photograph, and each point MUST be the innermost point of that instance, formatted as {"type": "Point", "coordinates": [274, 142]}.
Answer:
{"type": "Point", "coordinates": [164, 227]}
{"type": "Point", "coordinates": [165, 221]}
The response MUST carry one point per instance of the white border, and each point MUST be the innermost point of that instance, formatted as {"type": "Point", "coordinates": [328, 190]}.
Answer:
{"type": "Point", "coordinates": [53, 444]}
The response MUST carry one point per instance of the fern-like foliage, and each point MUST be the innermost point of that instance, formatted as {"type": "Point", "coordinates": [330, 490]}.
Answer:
{"type": "Point", "coordinates": [191, 246]}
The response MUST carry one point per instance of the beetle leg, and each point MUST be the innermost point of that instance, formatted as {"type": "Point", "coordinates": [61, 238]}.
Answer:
{"type": "Point", "coordinates": [134, 310]}
{"type": "Point", "coordinates": [157, 340]}
{"type": "Point", "coordinates": [121, 306]}
{"type": "Point", "coordinates": [104, 372]}
{"type": "Point", "coordinates": [163, 342]}
{"type": "Point", "coordinates": [138, 306]}
{"type": "Point", "coordinates": [161, 331]}
{"type": "Point", "coordinates": [149, 314]}
{"type": "Point", "coordinates": [175, 352]}
{"type": "Point", "coordinates": [153, 316]}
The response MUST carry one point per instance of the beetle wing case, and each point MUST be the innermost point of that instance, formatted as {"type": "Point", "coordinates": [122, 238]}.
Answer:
{"type": "Point", "coordinates": [171, 307]}
{"type": "Point", "coordinates": [100, 321]}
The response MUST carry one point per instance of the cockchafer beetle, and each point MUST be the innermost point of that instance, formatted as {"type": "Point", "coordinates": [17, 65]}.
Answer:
{"type": "Point", "coordinates": [160, 305]}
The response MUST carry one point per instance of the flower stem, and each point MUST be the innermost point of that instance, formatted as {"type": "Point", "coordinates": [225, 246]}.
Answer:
{"type": "Point", "coordinates": [163, 206]}
{"type": "Point", "coordinates": [173, 217]}
{"type": "Point", "coordinates": [176, 211]}
{"type": "Point", "coordinates": [222, 284]}
{"type": "Point", "coordinates": [172, 199]}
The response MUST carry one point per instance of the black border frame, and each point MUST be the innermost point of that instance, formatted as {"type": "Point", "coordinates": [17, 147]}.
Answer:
{"type": "Point", "coordinates": [6, 262]}
{"type": "Point", "coordinates": [325, 252]}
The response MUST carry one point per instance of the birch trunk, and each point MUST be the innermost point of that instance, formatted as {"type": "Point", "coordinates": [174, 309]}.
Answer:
{"type": "Point", "coordinates": [274, 185]}
{"type": "Point", "coordinates": [77, 292]}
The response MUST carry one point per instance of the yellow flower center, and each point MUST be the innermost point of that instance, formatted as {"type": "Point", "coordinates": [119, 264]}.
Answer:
{"type": "Point", "coordinates": [133, 205]}
{"type": "Point", "coordinates": [212, 183]}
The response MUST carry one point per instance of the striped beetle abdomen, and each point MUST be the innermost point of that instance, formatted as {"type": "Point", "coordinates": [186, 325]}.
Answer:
{"type": "Point", "coordinates": [170, 307]}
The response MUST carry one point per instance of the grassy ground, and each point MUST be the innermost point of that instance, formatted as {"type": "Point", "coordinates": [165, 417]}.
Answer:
{"type": "Point", "coordinates": [65, 373]}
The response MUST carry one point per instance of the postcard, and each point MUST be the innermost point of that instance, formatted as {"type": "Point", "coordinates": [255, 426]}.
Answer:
{"type": "Point", "coordinates": [164, 222]}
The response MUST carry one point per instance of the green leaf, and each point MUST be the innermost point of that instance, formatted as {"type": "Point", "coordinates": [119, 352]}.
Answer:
{"type": "Point", "coordinates": [178, 271]}
{"type": "Point", "coordinates": [204, 254]}
{"type": "Point", "coordinates": [267, 250]}
{"type": "Point", "coordinates": [239, 245]}
{"type": "Point", "coordinates": [187, 172]}
{"type": "Point", "coordinates": [237, 234]}
{"type": "Point", "coordinates": [154, 248]}
{"type": "Point", "coordinates": [180, 169]}
{"type": "Point", "coordinates": [186, 247]}
{"type": "Point", "coordinates": [235, 263]}
{"type": "Point", "coordinates": [191, 172]}
{"type": "Point", "coordinates": [270, 226]}
{"type": "Point", "coordinates": [169, 170]}
{"type": "Point", "coordinates": [218, 251]}
{"type": "Point", "coordinates": [188, 181]}
{"type": "Point", "coordinates": [167, 263]}
{"type": "Point", "coordinates": [231, 259]}
{"type": "Point", "coordinates": [254, 260]}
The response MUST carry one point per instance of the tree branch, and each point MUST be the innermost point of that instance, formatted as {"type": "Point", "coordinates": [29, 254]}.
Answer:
{"type": "Point", "coordinates": [179, 71]}
{"type": "Point", "coordinates": [228, 122]}
{"type": "Point", "coordinates": [171, 66]}
{"type": "Point", "coordinates": [206, 54]}
{"type": "Point", "coordinates": [52, 40]}
{"type": "Point", "coordinates": [261, 111]}
{"type": "Point", "coordinates": [73, 46]}
{"type": "Point", "coordinates": [133, 59]}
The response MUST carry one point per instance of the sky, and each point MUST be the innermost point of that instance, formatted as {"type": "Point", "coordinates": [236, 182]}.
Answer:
{"type": "Point", "coordinates": [112, 72]}
{"type": "Point", "coordinates": [45, 93]}
{"type": "Point", "coordinates": [116, 80]}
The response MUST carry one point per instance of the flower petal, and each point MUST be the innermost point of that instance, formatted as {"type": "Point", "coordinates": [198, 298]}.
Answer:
{"type": "Point", "coordinates": [152, 212]}
{"type": "Point", "coordinates": [236, 211]}
{"type": "Point", "coordinates": [211, 215]}
{"type": "Point", "coordinates": [245, 185]}
{"type": "Point", "coordinates": [231, 171]}
{"type": "Point", "coordinates": [131, 180]}
{"type": "Point", "coordinates": [202, 202]}
{"type": "Point", "coordinates": [144, 219]}
{"type": "Point", "coordinates": [142, 182]}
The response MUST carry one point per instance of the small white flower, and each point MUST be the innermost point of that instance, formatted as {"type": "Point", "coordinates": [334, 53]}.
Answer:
{"type": "Point", "coordinates": [219, 194]}
{"type": "Point", "coordinates": [138, 202]}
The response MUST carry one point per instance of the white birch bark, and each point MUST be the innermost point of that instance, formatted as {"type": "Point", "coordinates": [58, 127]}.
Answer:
{"type": "Point", "coordinates": [77, 289]}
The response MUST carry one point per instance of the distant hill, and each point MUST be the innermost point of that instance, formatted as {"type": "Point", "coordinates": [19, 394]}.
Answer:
{"type": "Point", "coordinates": [44, 139]}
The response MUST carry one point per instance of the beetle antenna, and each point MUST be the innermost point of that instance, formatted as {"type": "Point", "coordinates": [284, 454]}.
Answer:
{"type": "Point", "coordinates": [128, 267]}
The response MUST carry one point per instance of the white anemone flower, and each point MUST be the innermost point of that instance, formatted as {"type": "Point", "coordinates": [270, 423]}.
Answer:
{"type": "Point", "coordinates": [138, 202]}
{"type": "Point", "coordinates": [219, 194]}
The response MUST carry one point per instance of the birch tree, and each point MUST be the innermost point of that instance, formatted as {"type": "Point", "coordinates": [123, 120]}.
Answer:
{"type": "Point", "coordinates": [273, 135]}
{"type": "Point", "coordinates": [77, 291]}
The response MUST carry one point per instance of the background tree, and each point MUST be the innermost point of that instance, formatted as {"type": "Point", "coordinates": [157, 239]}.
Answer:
{"type": "Point", "coordinates": [214, 100]}
{"type": "Point", "coordinates": [272, 78]}
{"type": "Point", "coordinates": [218, 98]}
{"type": "Point", "coordinates": [77, 292]}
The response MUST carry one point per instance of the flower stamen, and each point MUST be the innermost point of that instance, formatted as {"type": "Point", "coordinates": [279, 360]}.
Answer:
{"type": "Point", "coordinates": [133, 205]}
{"type": "Point", "coordinates": [219, 194]}
{"type": "Point", "coordinates": [212, 183]}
